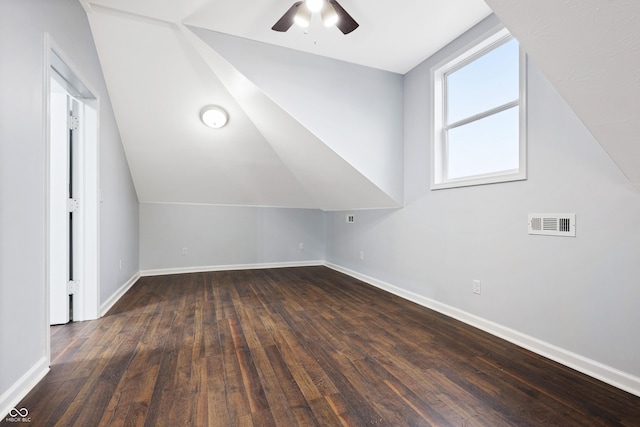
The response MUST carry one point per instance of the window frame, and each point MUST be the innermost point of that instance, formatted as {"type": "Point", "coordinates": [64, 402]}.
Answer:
{"type": "Point", "coordinates": [480, 46]}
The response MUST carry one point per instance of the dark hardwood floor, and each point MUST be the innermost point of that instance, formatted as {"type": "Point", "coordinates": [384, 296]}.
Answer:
{"type": "Point", "coordinates": [301, 347]}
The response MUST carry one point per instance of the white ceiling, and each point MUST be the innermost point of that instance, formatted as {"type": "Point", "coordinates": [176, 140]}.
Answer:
{"type": "Point", "coordinates": [590, 51]}
{"type": "Point", "coordinates": [160, 73]}
{"type": "Point", "coordinates": [393, 36]}
{"type": "Point", "coordinates": [159, 76]}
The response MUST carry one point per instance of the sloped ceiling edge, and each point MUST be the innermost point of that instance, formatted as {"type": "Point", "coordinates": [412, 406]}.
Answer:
{"type": "Point", "coordinates": [332, 182]}
{"type": "Point", "coordinates": [590, 51]}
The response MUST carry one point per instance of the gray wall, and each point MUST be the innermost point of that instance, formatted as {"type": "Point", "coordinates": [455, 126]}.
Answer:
{"type": "Point", "coordinates": [119, 209]}
{"type": "Point", "coordinates": [580, 294]}
{"type": "Point", "coordinates": [22, 176]}
{"type": "Point", "coordinates": [217, 236]}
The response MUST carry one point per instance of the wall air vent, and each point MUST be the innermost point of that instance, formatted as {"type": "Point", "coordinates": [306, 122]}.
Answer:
{"type": "Point", "coordinates": [553, 224]}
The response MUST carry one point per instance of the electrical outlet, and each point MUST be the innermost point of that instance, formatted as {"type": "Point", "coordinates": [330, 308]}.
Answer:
{"type": "Point", "coordinates": [476, 287]}
{"type": "Point", "coordinates": [120, 264]}
{"type": "Point", "coordinates": [301, 246]}
{"type": "Point", "coordinates": [361, 254]}
{"type": "Point", "coordinates": [184, 251]}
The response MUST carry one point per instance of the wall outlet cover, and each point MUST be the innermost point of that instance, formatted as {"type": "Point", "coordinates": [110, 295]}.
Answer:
{"type": "Point", "coordinates": [477, 287]}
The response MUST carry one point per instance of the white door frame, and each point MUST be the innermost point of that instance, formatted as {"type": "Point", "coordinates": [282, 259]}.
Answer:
{"type": "Point", "coordinates": [58, 186]}
{"type": "Point", "coordinates": [86, 300]}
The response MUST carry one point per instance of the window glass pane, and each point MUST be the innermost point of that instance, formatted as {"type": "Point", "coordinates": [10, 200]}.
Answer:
{"type": "Point", "coordinates": [486, 83]}
{"type": "Point", "coordinates": [484, 146]}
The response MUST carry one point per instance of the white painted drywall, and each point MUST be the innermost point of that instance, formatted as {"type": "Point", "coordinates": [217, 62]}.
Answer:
{"type": "Point", "coordinates": [119, 208]}
{"type": "Point", "coordinates": [262, 157]}
{"type": "Point", "coordinates": [580, 294]}
{"type": "Point", "coordinates": [22, 180]}
{"type": "Point", "coordinates": [216, 236]}
{"type": "Point", "coordinates": [355, 110]}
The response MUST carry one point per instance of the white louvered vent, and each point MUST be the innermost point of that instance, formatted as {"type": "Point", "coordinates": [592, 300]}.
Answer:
{"type": "Point", "coordinates": [553, 224]}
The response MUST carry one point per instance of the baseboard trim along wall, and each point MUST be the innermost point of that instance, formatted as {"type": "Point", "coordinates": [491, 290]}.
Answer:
{"type": "Point", "coordinates": [106, 306]}
{"type": "Point", "coordinates": [204, 269]}
{"type": "Point", "coordinates": [22, 387]}
{"type": "Point", "coordinates": [600, 371]}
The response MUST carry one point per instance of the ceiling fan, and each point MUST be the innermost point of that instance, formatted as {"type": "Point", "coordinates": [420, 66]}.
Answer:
{"type": "Point", "coordinates": [330, 10]}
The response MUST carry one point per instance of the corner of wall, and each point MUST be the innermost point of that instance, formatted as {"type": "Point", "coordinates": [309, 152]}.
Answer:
{"type": "Point", "coordinates": [23, 386]}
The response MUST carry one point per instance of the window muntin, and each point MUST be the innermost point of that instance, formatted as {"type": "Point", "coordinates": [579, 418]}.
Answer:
{"type": "Point", "coordinates": [483, 83]}
{"type": "Point", "coordinates": [478, 133]}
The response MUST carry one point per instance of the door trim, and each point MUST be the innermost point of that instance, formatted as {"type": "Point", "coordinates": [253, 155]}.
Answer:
{"type": "Point", "coordinates": [87, 300]}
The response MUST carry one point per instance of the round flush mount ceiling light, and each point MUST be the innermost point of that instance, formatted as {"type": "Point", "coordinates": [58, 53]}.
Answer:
{"type": "Point", "coordinates": [214, 116]}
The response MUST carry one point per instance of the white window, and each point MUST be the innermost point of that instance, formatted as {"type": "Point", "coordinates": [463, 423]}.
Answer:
{"type": "Point", "coordinates": [478, 123]}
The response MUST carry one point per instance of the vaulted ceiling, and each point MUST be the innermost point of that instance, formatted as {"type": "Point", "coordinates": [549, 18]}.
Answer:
{"type": "Point", "coordinates": [316, 117]}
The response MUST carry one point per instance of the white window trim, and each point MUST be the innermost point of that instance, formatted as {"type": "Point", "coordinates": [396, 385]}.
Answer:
{"type": "Point", "coordinates": [437, 133]}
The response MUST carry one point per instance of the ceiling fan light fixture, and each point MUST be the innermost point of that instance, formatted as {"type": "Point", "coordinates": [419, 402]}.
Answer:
{"type": "Point", "coordinates": [300, 13]}
{"type": "Point", "coordinates": [214, 116]}
{"type": "Point", "coordinates": [329, 15]}
{"type": "Point", "coordinates": [314, 5]}
{"type": "Point", "coordinates": [303, 16]}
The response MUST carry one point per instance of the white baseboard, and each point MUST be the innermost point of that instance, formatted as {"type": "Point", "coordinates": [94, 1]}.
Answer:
{"type": "Point", "coordinates": [106, 306]}
{"type": "Point", "coordinates": [22, 387]}
{"type": "Point", "coordinates": [31, 378]}
{"type": "Point", "coordinates": [600, 371]}
{"type": "Point", "coordinates": [204, 269]}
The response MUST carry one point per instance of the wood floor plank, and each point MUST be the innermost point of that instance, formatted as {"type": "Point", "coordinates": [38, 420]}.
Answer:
{"type": "Point", "coordinates": [292, 394]}
{"type": "Point", "coordinates": [301, 347]}
{"type": "Point", "coordinates": [301, 372]}
{"type": "Point", "coordinates": [217, 408]}
{"type": "Point", "coordinates": [250, 379]}
{"type": "Point", "coordinates": [326, 414]}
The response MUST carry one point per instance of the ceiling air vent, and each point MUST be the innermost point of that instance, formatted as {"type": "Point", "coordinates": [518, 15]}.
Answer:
{"type": "Point", "coordinates": [553, 224]}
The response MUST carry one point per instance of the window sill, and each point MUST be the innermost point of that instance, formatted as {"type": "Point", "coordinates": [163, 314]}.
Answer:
{"type": "Point", "coordinates": [479, 180]}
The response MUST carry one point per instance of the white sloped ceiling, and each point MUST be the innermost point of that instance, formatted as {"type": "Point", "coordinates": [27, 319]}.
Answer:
{"type": "Point", "coordinates": [590, 51]}
{"type": "Point", "coordinates": [160, 76]}
{"type": "Point", "coordinates": [158, 86]}
{"type": "Point", "coordinates": [295, 138]}
{"type": "Point", "coordinates": [355, 111]}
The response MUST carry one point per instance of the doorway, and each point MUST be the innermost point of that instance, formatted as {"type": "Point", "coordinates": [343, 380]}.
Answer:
{"type": "Point", "coordinates": [72, 193]}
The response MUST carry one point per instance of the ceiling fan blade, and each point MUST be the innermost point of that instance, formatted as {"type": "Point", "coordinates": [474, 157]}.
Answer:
{"type": "Point", "coordinates": [345, 23]}
{"type": "Point", "coordinates": [286, 21]}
